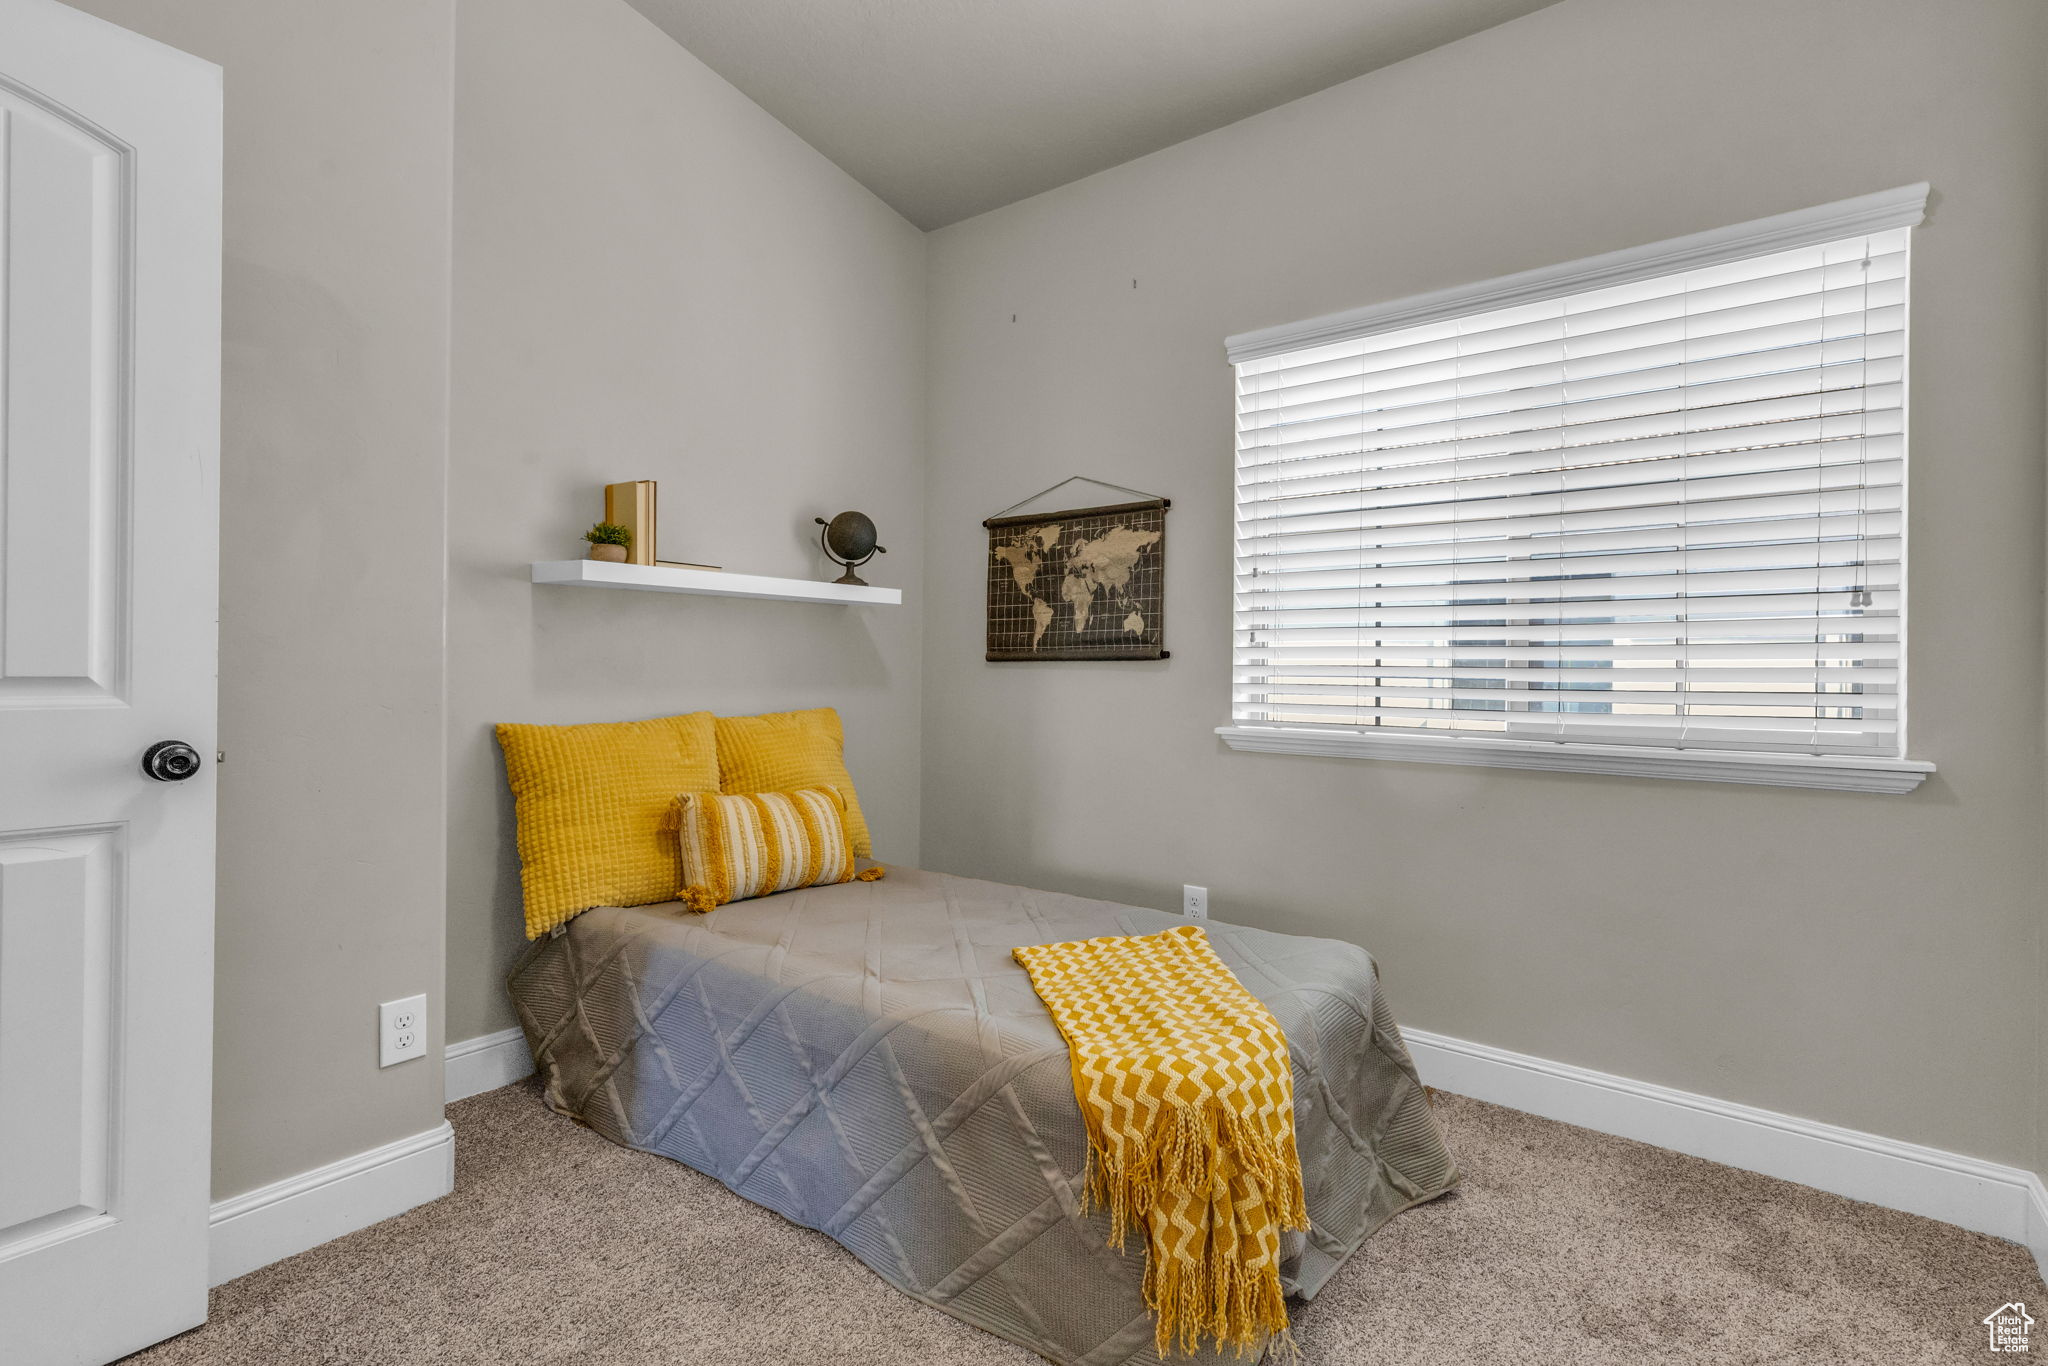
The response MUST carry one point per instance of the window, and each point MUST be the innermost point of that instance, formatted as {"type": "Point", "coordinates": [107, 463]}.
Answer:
{"type": "Point", "coordinates": [1640, 514]}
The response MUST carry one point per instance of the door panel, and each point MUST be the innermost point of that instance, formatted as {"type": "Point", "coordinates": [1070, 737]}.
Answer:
{"type": "Point", "coordinates": [58, 911]}
{"type": "Point", "coordinates": [109, 434]}
{"type": "Point", "coordinates": [64, 294]}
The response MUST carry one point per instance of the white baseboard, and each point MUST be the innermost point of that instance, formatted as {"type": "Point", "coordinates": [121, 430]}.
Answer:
{"type": "Point", "coordinates": [304, 1211]}
{"type": "Point", "coordinates": [2037, 1228]}
{"type": "Point", "coordinates": [287, 1217]}
{"type": "Point", "coordinates": [2005, 1202]}
{"type": "Point", "coordinates": [485, 1063]}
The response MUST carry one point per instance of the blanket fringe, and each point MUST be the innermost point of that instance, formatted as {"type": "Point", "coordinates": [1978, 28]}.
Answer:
{"type": "Point", "coordinates": [1211, 1159]}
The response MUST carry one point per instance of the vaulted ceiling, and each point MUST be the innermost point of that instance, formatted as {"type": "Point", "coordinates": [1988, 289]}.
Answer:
{"type": "Point", "coordinates": [949, 108]}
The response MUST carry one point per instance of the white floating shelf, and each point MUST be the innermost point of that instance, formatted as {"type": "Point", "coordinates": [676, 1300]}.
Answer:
{"type": "Point", "coordinates": [716, 583]}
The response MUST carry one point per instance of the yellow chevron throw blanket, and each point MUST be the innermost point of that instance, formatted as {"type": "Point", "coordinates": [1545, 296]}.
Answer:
{"type": "Point", "coordinates": [1183, 1081]}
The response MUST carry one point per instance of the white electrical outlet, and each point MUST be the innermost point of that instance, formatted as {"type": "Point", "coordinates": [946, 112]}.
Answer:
{"type": "Point", "coordinates": [1194, 902]}
{"type": "Point", "coordinates": [401, 1030]}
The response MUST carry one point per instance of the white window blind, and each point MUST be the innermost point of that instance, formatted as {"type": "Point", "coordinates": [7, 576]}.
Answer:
{"type": "Point", "coordinates": [1666, 512]}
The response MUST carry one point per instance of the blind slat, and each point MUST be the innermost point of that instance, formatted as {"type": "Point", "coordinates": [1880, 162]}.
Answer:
{"type": "Point", "coordinates": [1641, 727]}
{"type": "Point", "coordinates": [1657, 497]}
{"type": "Point", "coordinates": [1861, 711]}
{"type": "Point", "coordinates": [1477, 566]}
{"type": "Point", "coordinates": [1602, 673]}
{"type": "Point", "coordinates": [1550, 397]}
{"type": "Point", "coordinates": [1775, 348]}
{"type": "Point", "coordinates": [1786, 440]}
{"type": "Point", "coordinates": [1594, 422]}
{"type": "Point", "coordinates": [1317, 551]}
{"type": "Point", "coordinates": [1352, 659]}
{"type": "Point", "coordinates": [1478, 638]}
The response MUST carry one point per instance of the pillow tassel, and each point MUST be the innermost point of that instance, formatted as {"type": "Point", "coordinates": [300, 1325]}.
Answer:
{"type": "Point", "coordinates": [874, 872]}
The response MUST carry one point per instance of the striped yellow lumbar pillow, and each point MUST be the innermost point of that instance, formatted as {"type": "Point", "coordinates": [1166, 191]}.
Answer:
{"type": "Point", "coordinates": [753, 844]}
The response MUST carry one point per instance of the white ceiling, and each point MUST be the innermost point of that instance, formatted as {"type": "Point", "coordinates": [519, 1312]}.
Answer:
{"type": "Point", "coordinates": [949, 108]}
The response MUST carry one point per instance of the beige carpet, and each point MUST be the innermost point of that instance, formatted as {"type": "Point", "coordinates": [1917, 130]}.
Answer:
{"type": "Point", "coordinates": [1564, 1246]}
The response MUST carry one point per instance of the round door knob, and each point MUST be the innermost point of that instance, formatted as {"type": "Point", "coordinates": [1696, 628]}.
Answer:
{"type": "Point", "coordinates": [170, 761]}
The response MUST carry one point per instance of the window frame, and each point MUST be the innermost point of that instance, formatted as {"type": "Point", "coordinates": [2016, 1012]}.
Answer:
{"type": "Point", "coordinates": [1901, 207]}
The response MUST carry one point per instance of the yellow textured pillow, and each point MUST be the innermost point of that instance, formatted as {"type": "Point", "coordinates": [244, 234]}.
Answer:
{"type": "Point", "coordinates": [596, 810]}
{"type": "Point", "coordinates": [760, 843]}
{"type": "Point", "coordinates": [786, 750]}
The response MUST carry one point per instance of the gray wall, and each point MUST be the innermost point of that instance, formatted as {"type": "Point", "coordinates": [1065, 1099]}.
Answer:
{"type": "Point", "coordinates": [1871, 961]}
{"type": "Point", "coordinates": [658, 281]}
{"type": "Point", "coordinates": [333, 448]}
{"type": "Point", "coordinates": [655, 280]}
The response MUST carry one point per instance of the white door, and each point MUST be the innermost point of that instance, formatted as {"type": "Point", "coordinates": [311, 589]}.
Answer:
{"type": "Point", "coordinates": [110, 151]}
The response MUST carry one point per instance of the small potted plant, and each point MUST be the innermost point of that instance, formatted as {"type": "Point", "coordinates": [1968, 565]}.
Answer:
{"type": "Point", "coordinates": [608, 541]}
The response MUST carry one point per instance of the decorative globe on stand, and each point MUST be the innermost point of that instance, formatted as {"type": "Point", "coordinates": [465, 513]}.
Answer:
{"type": "Point", "coordinates": [849, 539]}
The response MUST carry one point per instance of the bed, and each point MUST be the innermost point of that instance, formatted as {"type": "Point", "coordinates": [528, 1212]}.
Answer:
{"type": "Point", "coordinates": [868, 1060]}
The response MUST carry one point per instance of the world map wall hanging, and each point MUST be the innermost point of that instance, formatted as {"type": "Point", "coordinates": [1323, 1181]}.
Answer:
{"type": "Point", "coordinates": [1085, 583]}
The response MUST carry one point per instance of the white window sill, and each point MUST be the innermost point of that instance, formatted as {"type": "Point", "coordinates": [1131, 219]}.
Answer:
{"type": "Point", "coordinates": [1841, 773]}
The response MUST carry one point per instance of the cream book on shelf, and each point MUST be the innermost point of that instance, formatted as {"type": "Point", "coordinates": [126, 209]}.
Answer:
{"type": "Point", "coordinates": [631, 505]}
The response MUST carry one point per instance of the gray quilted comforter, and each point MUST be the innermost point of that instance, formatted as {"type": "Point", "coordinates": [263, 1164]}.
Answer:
{"type": "Point", "coordinates": [869, 1061]}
